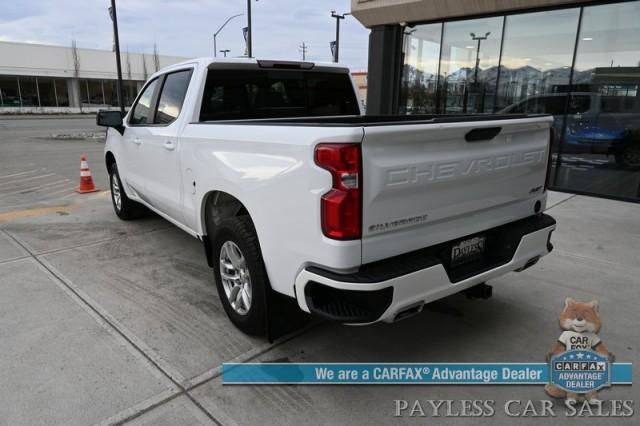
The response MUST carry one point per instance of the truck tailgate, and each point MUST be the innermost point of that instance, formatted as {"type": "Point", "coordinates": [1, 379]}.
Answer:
{"type": "Point", "coordinates": [425, 184]}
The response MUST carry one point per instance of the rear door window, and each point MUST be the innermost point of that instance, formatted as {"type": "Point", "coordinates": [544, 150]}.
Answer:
{"type": "Point", "coordinates": [172, 96]}
{"type": "Point", "coordinates": [256, 94]}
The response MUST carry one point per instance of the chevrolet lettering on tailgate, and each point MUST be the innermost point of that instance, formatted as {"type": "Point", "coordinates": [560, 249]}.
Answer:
{"type": "Point", "coordinates": [433, 172]}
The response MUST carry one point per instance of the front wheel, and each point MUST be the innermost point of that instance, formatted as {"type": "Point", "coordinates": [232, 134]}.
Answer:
{"type": "Point", "coordinates": [240, 274]}
{"type": "Point", "coordinates": [125, 208]}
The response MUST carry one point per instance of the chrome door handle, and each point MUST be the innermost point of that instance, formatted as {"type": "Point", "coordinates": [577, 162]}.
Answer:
{"type": "Point", "coordinates": [169, 146]}
{"type": "Point", "coordinates": [137, 141]}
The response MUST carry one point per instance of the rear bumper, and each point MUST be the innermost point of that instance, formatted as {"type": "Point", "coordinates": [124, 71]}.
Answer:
{"type": "Point", "coordinates": [384, 290]}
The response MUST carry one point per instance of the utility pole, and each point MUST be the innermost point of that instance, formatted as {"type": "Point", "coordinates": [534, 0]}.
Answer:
{"type": "Point", "coordinates": [303, 49]}
{"type": "Point", "coordinates": [225, 51]}
{"type": "Point", "coordinates": [338, 17]}
{"type": "Point", "coordinates": [215, 47]}
{"type": "Point", "coordinates": [116, 40]}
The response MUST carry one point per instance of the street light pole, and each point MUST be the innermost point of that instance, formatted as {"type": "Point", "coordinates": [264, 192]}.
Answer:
{"type": "Point", "coordinates": [116, 41]}
{"type": "Point", "coordinates": [215, 47]}
{"type": "Point", "coordinates": [225, 51]}
{"type": "Point", "coordinates": [479, 39]}
{"type": "Point", "coordinates": [249, 47]}
{"type": "Point", "coordinates": [338, 17]}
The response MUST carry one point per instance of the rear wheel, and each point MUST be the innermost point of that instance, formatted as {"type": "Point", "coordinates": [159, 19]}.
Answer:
{"type": "Point", "coordinates": [240, 274]}
{"type": "Point", "coordinates": [125, 208]}
{"type": "Point", "coordinates": [630, 157]}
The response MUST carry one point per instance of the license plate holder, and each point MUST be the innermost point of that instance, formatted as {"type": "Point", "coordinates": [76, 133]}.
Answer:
{"type": "Point", "coordinates": [468, 250]}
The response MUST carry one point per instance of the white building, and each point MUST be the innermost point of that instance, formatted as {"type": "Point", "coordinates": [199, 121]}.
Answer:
{"type": "Point", "coordinates": [37, 78]}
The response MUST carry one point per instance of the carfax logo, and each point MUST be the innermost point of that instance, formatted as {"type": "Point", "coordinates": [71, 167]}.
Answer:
{"type": "Point", "coordinates": [579, 362]}
{"type": "Point", "coordinates": [580, 372]}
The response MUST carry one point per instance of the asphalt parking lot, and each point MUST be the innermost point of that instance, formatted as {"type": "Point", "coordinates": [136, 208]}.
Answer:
{"type": "Point", "coordinates": [104, 321]}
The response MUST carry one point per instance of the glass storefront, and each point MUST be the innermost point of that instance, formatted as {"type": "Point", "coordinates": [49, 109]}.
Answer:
{"type": "Point", "coordinates": [24, 91]}
{"type": "Point", "coordinates": [29, 92]}
{"type": "Point", "coordinates": [9, 92]}
{"type": "Point", "coordinates": [62, 92]}
{"type": "Point", "coordinates": [469, 64]}
{"type": "Point", "coordinates": [420, 70]}
{"type": "Point", "coordinates": [600, 150]}
{"type": "Point", "coordinates": [580, 64]}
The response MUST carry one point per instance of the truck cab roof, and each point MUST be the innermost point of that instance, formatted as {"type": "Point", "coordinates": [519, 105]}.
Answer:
{"type": "Point", "coordinates": [231, 63]}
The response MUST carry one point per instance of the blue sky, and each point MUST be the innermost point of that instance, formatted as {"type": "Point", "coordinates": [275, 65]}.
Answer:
{"type": "Point", "coordinates": [186, 27]}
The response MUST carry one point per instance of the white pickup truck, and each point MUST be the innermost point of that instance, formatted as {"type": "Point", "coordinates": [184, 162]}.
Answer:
{"type": "Point", "coordinates": [294, 192]}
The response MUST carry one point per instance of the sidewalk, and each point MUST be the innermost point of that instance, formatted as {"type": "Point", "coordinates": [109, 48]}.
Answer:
{"type": "Point", "coordinates": [110, 321]}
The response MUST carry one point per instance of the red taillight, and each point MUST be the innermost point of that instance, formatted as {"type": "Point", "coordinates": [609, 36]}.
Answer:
{"type": "Point", "coordinates": [552, 135]}
{"type": "Point", "coordinates": [341, 208]}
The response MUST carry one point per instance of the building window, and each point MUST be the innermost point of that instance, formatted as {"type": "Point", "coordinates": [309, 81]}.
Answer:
{"type": "Point", "coordinates": [110, 92]}
{"type": "Point", "coordinates": [16, 91]}
{"type": "Point", "coordinates": [62, 92]}
{"type": "Point", "coordinates": [536, 62]}
{"type": "Point", "coordinates": [46, 88]}
{"type": "Point", "coordinates": [539, 63]}
{"type": "Point", "coordinates": [600, 151]}
{"type": "Point", "coordinates": [130, 90]}
{"type": "Point", "coordinates": [9, 92]}
{"type": "Point", "coordinates": [469, 65]}
{"type": "Point", "coordinates": [92, 93]}
{"type": "Point", "coordinates": [420, 70]}
{"type": "Point", "coordinates": [29, 92]}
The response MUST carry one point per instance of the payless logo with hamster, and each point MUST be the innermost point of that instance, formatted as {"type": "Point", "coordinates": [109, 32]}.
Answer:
{"type": "Point", "coordinates": [579, 362]}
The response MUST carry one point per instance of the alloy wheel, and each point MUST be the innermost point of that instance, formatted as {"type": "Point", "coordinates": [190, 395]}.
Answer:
{"type": "Point", "coordinates": [115, 192]}
{"type": "Point", "coordinates": [235, 276]}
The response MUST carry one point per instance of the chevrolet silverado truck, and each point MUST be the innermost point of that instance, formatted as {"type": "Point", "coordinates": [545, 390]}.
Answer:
{"type": "Point", "coordinates": [294, 192]}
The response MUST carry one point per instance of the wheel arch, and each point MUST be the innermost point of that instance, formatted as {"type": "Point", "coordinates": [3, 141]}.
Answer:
{"type": "Point", "coordinates": [216, 206]}
{"type": "Point", "coordinates": [109, 159]}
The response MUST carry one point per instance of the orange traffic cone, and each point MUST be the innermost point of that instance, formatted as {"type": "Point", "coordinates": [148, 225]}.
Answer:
{"type": "Point", "coordinates": [86, 181]}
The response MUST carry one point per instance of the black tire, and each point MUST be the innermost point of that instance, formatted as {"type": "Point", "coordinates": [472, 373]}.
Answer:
{"type": "Point", "coordinates": [631, 156]}
{"type": "Point", "coordinates": [619, 159]}
{"type": "Point", "coordinates": [127, 209]}
{"type": "Point", "coordinates": [240, 231]}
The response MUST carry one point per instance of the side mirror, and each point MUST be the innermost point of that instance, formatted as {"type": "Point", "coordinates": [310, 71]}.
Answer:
{"type": "Point", "coordinates": [110, 119]}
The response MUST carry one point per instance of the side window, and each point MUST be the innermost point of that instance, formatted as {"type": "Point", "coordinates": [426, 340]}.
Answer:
{"type": "Point", "coordinates": [519, 108]}
{"type": "Point", "coordinates": [172, 96]}
{"type": "Point", "coordinates": [555, 104]}
{"type": "Point", "coordinates": [227, 97]}
{"type": "Point", "coordinates": [142, 110]}
{"type": "Point", "coordinates": [579, 104]}
{"type": "Point", "coordinates": [256, 94]}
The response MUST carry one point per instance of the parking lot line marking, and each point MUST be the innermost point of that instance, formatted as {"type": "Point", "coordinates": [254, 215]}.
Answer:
{"type": "Point", "coordinates": [33, 188]}
{"type": "Point", "coordinates": [19, 174]}
{"type": "Point", "coordinates": [51, 184]}
{"type": "Point", "coordinates": [65, 189]}
{"type": "Point", "coordinates": [25, 179]}
{"type": "Point", "coordinates": [35, 212]}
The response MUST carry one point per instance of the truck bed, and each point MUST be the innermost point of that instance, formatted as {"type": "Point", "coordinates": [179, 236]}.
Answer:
{"type": "Point", "coordinates": [427, 179]}
{"type": "Point", "coordinates": [376, 120]}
